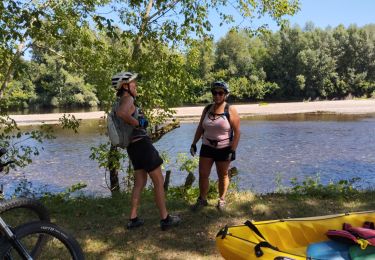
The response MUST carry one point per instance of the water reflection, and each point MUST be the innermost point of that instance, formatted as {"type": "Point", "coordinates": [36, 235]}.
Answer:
{"type": "Point", "coordinates": [335, 147]}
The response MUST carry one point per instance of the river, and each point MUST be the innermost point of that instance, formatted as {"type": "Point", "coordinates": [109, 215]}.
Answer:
{"type": "Point", "coordinates": [272, 147]}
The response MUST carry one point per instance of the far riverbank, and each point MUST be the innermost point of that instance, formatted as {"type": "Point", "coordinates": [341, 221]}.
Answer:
{"type": "Point", "coordinates": [245, 110]}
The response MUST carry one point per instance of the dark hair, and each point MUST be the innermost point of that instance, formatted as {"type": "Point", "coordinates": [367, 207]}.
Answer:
{"type": "Point", "coordinates": [121, 91]}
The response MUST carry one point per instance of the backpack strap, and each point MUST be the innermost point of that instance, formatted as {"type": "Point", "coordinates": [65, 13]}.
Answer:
{"type": "Point", "coordinates": [207, 108]}
{"type": "Point", "coordinates": [226, 111]}
{"type": "Point", "coordinates": [227, 114]}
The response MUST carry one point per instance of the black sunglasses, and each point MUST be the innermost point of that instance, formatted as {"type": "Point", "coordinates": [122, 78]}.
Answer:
{"type": "Point", "coordinates": [220, 93]}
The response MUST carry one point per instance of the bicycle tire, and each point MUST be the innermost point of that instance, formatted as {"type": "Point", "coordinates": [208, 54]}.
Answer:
{"type": "Point", "coordinates": [53, 234]}
{"type": "Point", "coordinates": [32, 205]}
{"type": "Point", "coordinates": [26, 203]}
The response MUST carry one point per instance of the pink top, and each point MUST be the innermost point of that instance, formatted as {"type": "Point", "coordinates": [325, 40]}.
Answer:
{"type": "Point", "coordinates": [217, 131]}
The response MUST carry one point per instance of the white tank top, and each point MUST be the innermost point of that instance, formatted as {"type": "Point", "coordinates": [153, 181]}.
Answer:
{"type": "Point", "coordinates": [217, 131]}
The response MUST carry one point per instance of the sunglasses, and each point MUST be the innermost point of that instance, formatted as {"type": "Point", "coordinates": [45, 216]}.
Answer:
{"type": "Point", "coordinates": [220, 93]}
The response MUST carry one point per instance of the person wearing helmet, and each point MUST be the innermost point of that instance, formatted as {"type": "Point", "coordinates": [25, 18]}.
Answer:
{"type": "Point", "coordinates": [219, 128]}
{"type": "Point", "coordinates": [143, 155]}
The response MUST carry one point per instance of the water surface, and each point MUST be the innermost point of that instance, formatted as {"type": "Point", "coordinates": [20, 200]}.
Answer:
{"type": "Point", "coordinates": [333, 146]}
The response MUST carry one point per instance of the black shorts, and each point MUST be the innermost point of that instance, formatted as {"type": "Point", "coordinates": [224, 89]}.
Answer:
{"type": "Point", "coordinates": [218, 155]}
{"type": "Point", "coordinates": [143, 155]}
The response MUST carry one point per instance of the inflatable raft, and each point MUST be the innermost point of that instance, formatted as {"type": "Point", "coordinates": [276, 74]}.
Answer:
{"type": "Point", "coordinates": [289, 238]}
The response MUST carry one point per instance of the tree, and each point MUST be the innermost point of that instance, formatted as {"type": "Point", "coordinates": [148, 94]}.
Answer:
{"type": "Point", "coordinates": [233, 54]}
{"type": "Point", "coordinates": [151, 24]}
{"type": "Point", "coordinates": [281, 64]}
{"type": "Point", "coordinates": [24, 23]}
{"type": "Point", "coordinates": [153, 32]}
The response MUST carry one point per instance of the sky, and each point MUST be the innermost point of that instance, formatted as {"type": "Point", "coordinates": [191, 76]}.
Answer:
{"type": "Point", "coordinates": [323, 13]}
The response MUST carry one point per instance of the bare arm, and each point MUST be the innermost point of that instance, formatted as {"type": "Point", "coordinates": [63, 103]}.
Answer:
{"type": "Point", "coordinates": [235, 124]}
{"type": "Point", "coordinates": [126, 109]}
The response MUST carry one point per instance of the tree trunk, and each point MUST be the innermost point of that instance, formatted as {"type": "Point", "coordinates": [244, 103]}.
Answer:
{"type": "Point", "coordinates": [166, 181]}
{"type": "Point", "coordinates": [190, 178]}
{"type": "Point", "coordinates": [113, 170]}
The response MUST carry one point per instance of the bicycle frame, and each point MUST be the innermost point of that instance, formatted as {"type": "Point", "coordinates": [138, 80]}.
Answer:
{"type": "Point", "coordinates": [8, 238]}
{"type": "Point", "coordinates": [11, 238]}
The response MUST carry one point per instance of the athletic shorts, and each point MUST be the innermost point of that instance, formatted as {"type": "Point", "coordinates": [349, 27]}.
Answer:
{"type": "Point", "coordinates": [218, 155]}
{"type": "Point", "coordinates": [143, 155]}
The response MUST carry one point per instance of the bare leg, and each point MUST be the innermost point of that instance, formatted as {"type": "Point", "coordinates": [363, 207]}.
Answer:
{"type": "Point", "coordinates": [158, 181]}
{"type": "Point", "coordinates": [139, 184]}
{"type": "Point", "coordinates": [222, 174]}
{"type": "Point", "coordinates": [205, 165]}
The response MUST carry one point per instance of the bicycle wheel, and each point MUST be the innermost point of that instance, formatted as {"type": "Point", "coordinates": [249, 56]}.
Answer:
{"type": "Point", "coordinates": [20, 210]}
{"type": "Point", "coordinates": [57, 244]}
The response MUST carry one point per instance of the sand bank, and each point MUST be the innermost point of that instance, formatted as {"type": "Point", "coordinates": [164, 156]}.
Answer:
{"type": "Point", "coordinates": [193, 113]}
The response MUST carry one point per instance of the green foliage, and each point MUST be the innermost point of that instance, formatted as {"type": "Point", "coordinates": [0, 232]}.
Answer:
{"type": "Point", "coordinates": [25, 189]}
{"type": "Point", "coordinates": [187, 164]}
{"type": "Point", "coordinates": [16, 141]}
{"type": "Point", "coordinates": [102, 153]}
{"type": "Point", "coordinates": [73, 61]}
{"type": "Point", "coordinates": [192, 193]}
{"type": "Point", "coordinates": [113, 159]}
{"type": "Point", "coordinates": [69, 122]}
{"type": "Point", "coordinates": [68, 194]}
{"type": "Point", "coordinates": [312, 187]}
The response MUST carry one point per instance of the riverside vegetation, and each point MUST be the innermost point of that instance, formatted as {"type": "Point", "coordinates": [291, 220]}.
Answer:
{"type": "Point", "coordinates": [71, 64]}
{"type": "Point", "coordinates": [99, 223]}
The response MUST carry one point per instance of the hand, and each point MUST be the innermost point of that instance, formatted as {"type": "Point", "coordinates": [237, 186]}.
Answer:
{"type": "Point", "coordinates": [232, 155]}
{"type": "Point", "coordinates": [193, 149]}
{"type": "Point", "coordinates": [142, 122]}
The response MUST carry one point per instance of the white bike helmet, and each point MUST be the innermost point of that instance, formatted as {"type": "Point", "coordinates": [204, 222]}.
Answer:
{"type": "Point", "coordinates": [123, 77]}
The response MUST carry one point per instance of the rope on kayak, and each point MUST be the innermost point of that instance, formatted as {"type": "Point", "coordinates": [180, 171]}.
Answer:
{"type": "Point", "coordinates": [257, 249]}
{"type": "Point", "coordinates": [254, 228]}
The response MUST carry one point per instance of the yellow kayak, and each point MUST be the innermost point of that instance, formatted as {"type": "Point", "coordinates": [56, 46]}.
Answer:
{"type": "Point", "coordinates": [284, 238]}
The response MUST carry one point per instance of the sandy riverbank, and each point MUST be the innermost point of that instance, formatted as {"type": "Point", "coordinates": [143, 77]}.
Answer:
{"type": "Point", "coordinates": [193, 113]}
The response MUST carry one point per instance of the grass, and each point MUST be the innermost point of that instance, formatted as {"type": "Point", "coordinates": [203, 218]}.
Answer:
{"type": "Point", "coordinates": [99, 223]}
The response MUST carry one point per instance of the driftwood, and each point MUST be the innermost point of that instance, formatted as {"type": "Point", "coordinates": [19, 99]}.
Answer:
{"type": "Point", "coordinates": [159, 132]}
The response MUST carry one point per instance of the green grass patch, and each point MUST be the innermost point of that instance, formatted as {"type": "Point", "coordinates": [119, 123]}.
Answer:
{"type": "Point", "coordinates": [99, 223]}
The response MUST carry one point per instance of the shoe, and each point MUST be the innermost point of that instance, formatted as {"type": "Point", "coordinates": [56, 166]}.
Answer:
{"type": "Point", "coordinates": [169, 221]}
{"type": "Point", "coordinates": [221, 204]}
{"type": "Point", "coordinates": [199, 204]}
{"type": "Point", "coordinates": [134, 223]}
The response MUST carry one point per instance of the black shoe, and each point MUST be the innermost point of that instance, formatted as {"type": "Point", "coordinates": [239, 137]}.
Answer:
{"type": "Point", "coordinates": [169, 221]}
{"type": "Point", "coordinates": [199, 204]}
{"type": "Point", "coordinates": [134, 223]}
